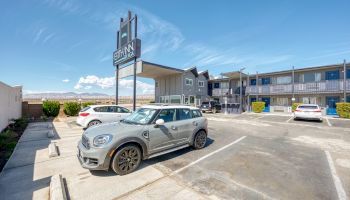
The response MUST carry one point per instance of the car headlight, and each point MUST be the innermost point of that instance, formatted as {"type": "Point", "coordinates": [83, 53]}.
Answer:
{"type": "Point", "coordinates": [102, 140]}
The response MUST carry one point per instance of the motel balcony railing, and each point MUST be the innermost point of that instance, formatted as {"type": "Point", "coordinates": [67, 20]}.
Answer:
{"type": "Point", "coordinates": [329, 86]}
{"type": "Point", "coordinates": [220, 92]}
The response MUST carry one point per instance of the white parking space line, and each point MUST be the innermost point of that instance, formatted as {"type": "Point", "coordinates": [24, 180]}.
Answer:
{"type": "Point", "coordinates": [338, 185]}
{"type": "Point", "coordinates": [328, 122]}
{"type": "Point", "coordinates": [260, 117]}
{"type": "Point", "coordinates": [206, 156]}
{"type": "Point", "coordinates": [290, 119]}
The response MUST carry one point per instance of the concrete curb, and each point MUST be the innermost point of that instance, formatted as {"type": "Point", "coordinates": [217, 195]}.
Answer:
{"type": "Point", "coordinates": [57, 191]}
{"type": "Point", "coordinates": [53, 152]}
{"type": "Point", "coordinates": [50, 134]}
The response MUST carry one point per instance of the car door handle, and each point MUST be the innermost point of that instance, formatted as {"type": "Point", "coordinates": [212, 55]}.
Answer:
{"type": "Point", "coordinates": [173, 127]}
{"type": "Point", "coordinates": [195, 123]}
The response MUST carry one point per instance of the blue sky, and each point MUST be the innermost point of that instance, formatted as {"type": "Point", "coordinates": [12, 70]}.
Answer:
{"type": "Point", "coordinates": [57, 45]}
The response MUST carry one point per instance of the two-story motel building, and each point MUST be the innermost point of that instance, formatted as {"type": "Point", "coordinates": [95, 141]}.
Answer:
{"type": "Point", "coordinates": [322, 85]}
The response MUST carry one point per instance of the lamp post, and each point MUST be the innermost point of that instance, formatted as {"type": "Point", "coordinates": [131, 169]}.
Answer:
{"type": "Point", "coordinates": [240, 89]}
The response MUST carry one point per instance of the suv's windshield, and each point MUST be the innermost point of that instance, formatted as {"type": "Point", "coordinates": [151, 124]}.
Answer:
{"type": "Point", "coordinates": [140, 116]}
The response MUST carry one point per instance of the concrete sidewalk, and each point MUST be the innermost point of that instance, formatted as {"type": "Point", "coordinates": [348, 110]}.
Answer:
{"type": "Point", "coordinates": [28, 173]}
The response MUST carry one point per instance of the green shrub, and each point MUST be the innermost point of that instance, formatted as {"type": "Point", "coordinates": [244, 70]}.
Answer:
{"type": "Point", "coordinates": [51, 108]}
{"type": "Point", "coordinates": [71, 108]}
{"type": "Point", "coordinates": [295, 105]}
{"type": "Point", "coordinates": [258, 106]}
{"type": "Point", "coordinates": [88, 103]}
{"type": "Point", "coordinates": [343, 110]}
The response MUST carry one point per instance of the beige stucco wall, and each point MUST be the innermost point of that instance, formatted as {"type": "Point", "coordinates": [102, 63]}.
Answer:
{"type": "Point", "coordinates": [10, 103]}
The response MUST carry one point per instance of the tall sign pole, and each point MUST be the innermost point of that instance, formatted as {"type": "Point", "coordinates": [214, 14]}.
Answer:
{"type": "Point", "coordinates": [134, 94]}
{"type": "Point", "coordinates": [128, 49]}
{"type": "Point", "coordinates": [117, 75]}
{"type": "Point", "coordinates": [344, 83]}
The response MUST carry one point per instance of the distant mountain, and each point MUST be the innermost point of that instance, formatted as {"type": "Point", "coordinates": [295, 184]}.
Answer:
{"type": "Point", "coordinates": [65, 95]}
{"type": "Point", "coordinates": [73, 95]}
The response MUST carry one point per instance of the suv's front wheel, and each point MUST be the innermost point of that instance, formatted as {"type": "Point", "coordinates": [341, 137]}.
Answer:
{"type": "Point", "coordinates": [126, 160]}
{"type": "Point", "coordinates": [200, 139]}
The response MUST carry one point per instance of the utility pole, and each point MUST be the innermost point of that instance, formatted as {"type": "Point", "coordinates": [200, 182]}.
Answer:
{"type": "Point", "coordinates": [344, 83]}
{"type": "Point", "coordinates": [240, 90]}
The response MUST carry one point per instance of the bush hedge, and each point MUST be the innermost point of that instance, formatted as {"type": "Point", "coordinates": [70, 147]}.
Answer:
{"type": "Point", "coordinates": [51, 108]}
{"type": "Point", "coordinates": [71, 108]}
{"type": "Point", "coordinates": [258, 106]}
{"type": "Point", "coordinates": [295, 105]}
{"type": "Point", "coordinates": [88, 103]}
{"type": "Point", "coordinates": [343, 110]}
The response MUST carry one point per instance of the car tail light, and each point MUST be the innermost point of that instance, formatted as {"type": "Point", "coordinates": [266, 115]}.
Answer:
{"type": "Point", "coordinates": [297, 110]}
{"type": "Point", "coordinates": [318, 110]}
{"type": "Point", "coordinates": [84, 114]}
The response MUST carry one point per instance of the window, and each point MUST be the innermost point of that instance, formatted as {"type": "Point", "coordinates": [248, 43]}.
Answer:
{"type": "Point", "coordinates": [164, 99]}
{"type": "Point", "coordinates": [332, 75]}
{"type": "Point", "coordinates": [252, 81]}
{"type": "Point", "coordinates": [265, 81]}
{"type": "Point", "coordinates": [122, 110]}
{"type": "Point", "coordinates": [309, 100]}
{"type": "Point", "coordinates": [168, 115]}
{"type": "Point", "coordinates": [318, 77]}
{"type": "Point", "coordinates": [192, 99]}
{"type": "Point", "coordinates": [216, 85]}
{"type": "Point", "coordinates": [196, 113]}
{"type": "Point", "coordinates": [189, 81]}
{"type": "Point", "coordinates": [101, 109]}
{"type": "Point", "coordinates": [140, 116]}
{"type": "Point", "coordinates": [284, 80]}
{"type": "Point", "coordinates": [225, 84]}
{"type": "Point", "coordinates": [156, 83]}
{"type": "Point", "coordinates": [175, 99]}
{"type": "Point", "coordinates": [281, 101]}
{"type": "Point", "coordinates": [348, 73]}
{"type": "Point", "coordinates": [201, 83]}
{"type": "Point", "coordinates": [184, 114]}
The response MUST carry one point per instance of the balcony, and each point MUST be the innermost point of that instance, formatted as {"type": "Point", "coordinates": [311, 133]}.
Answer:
{"type": "Point", "coordinates": [331, 86]}
{"type": "Point", "coordinates": [220, 92]}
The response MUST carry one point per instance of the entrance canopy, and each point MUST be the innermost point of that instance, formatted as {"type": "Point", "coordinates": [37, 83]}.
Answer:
{"type": "Point", "coordinates": [233, 75]}
{"type": "Point", "coordinates": [148, 70]}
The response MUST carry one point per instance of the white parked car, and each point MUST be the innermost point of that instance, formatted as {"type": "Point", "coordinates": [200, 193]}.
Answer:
{"type": "Point", "coordinates": [308, 111]}
{"type": "Point", "coordinates": [97, 114]}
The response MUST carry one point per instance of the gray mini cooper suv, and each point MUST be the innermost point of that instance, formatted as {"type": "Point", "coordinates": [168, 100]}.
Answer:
{"type": "Point", "coordinates": [150, 131]}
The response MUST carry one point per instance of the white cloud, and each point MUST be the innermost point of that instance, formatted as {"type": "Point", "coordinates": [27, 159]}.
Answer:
{"type": "Point", "coordinates": [65, 80]}
{"type": "Point", "coordinates": [109, 82]}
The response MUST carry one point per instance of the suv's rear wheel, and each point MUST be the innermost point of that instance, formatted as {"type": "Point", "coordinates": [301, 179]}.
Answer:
{"type": "Point", "coordinates": [93, 123]}
{"type": "Point", "coordinates": [126, 160]}
{"type": "Point", "coordinates": [200, 140]}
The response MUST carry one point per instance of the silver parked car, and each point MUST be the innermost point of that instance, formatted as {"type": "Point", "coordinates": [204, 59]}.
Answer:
{"type": "Point", "coordinates": [308, 111]}
{"type": "Point", "coordinates": [150, 131]}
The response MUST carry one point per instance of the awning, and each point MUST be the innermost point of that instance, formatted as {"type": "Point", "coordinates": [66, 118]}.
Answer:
{"type": "Point", "coordinates": [148, 70]}
{"type": "Point", "coordinates": [233, 75]}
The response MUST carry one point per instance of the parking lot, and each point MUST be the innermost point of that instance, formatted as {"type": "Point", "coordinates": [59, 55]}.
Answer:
{"type": "Point", "coordinates": [248, 156]}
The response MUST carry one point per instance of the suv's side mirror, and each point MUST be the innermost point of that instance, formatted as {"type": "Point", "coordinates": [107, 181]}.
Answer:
{"type": "Point", "coordinates": [159, 122]}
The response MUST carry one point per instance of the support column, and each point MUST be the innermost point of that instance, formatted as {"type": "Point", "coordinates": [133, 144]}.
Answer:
{"type": "Point", "coordinates": [257, 88]}
{"type": "Point", "coordinates": [293, 80]}
{"type": "Point", "coordinates": [248, 98]}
